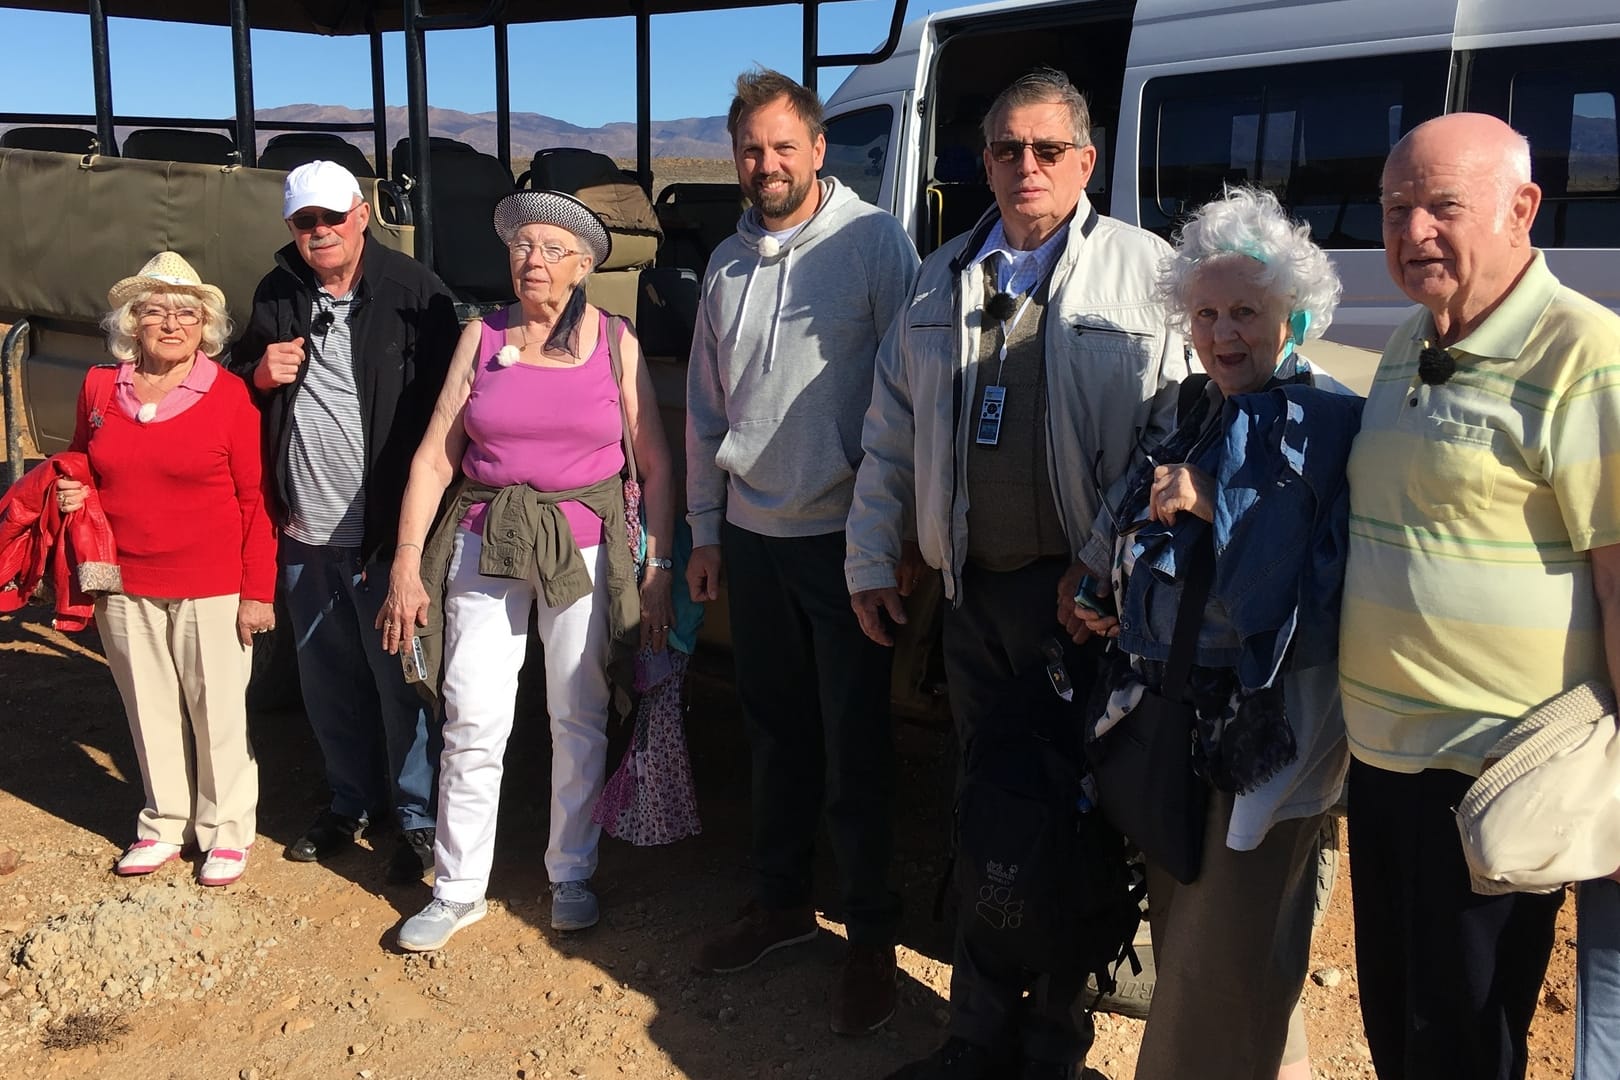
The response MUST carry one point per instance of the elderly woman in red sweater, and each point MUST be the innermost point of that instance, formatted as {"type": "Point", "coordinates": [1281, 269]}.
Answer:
{"type": "Point", "coordinates": [173, 443]}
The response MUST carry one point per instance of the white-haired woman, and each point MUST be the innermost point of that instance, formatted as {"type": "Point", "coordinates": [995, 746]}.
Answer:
{"type": "Point", "coordinates": [1254, 469]}
{"type": "Point", "coordinates": [173, 443]}
{"type": "Point", "coordinates": [534, 420]}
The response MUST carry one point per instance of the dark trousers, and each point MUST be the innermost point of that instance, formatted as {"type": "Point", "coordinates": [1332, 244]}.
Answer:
{"type": "Point", "coordinates": [990, 639]}
{"type": "Point", "coordinates": [815, 700]}
{"type": "Point", "coordinates": [1449, 979]}
{"type": "Point", "coordinates": [379, 741]}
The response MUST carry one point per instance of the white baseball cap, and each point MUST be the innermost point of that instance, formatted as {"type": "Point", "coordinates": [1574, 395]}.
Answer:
{"type": "Point", "coordinates": [320, 183]}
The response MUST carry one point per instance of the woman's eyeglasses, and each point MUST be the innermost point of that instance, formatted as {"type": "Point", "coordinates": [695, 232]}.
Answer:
{"type": "Point", "coordinates": [1047, 152]}
{"type": "Point", "coordinates": [550, 253]}
{"type": "Point", "coordinates": [153, 316]}
{"type": "Point", "coordinates": [306, 220]}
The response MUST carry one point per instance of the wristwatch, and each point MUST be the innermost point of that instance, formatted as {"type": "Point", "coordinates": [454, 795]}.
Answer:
{"type": "Point", "coordinates": [662, 564]}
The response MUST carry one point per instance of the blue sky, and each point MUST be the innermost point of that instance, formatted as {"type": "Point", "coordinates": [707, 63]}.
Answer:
{"type": "Point", "coordinates": [581, 72]}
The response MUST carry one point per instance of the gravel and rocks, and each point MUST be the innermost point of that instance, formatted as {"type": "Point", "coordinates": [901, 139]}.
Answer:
{"type": "Point", "coordinates": [167, 940]}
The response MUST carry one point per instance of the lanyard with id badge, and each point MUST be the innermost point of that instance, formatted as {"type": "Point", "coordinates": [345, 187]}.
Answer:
{"type": "Point", "coordinates": [995, 394]}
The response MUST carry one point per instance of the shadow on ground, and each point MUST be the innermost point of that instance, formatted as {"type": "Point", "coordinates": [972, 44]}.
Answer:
{"type": "Point", "coordinates": [658, 904]}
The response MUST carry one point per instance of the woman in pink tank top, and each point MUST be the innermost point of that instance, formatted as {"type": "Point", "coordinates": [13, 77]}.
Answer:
{"type": "Point", "coordinates": [530, 405]}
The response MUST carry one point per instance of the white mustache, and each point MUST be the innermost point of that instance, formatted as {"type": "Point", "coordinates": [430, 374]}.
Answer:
{"type": "Point", "coordinates": [325, 242]}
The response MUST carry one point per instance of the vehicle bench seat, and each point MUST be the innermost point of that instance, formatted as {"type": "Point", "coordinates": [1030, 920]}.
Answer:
{"type": "Point", "coordinates": [179, 144]}
{"type": "Point", "coordinates": [467, 184]}
{"type": "Point", "coordinates": [291, 149]}
{"type": "Point", "coordinates": [60, 140]}
{"type": "Point", "coordinates": [620, 201]}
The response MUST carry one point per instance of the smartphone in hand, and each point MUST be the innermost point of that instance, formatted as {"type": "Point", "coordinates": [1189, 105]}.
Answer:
{"type": "Point", "coordinates": [1087, 597]}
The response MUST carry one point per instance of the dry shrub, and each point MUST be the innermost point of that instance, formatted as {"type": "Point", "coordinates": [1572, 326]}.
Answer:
{"type": "Point", "coordinates": [83, 1028]}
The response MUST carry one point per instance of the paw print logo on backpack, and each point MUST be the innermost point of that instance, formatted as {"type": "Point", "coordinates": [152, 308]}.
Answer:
{"type": "Point", "coordinates": [997, 907]}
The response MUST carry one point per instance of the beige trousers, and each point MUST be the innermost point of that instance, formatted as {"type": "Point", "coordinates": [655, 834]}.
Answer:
{"type": "Point", "coordinates": [1231, 951]}
{"type": "Point", "coordinates": [183, 676]}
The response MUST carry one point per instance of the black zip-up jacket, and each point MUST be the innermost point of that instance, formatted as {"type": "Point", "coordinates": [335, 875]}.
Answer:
{"type": "Point", "coordinates": [404, 330]}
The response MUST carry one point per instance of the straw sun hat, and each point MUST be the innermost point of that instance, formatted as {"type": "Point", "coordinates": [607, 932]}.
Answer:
{"type": "Point", "coordinates": [163, 272]}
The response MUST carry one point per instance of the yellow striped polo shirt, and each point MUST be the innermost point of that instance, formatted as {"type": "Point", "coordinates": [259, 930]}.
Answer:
{"type": "Point", "coordinates": [1468, 593]}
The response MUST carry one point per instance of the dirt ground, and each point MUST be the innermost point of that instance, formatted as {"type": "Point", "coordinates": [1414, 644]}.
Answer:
{"type": "Point", "coordinates": [290, 973]}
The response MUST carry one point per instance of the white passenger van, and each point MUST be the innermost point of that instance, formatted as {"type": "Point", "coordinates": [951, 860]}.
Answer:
{"type": "Point", "coordinates": [1304, 97]}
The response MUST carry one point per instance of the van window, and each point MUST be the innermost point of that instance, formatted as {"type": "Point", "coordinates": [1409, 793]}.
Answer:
{"type": "Point", "coordinates": [1316, 135]}
{"type": "Point", "coordinates": [1562, 98]}
{"type": "Point", "coordinates": [857, 144]}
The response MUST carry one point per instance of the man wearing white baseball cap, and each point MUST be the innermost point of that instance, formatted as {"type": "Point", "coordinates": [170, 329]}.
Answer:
{"type": "Point", "coordinates": [346, 348]}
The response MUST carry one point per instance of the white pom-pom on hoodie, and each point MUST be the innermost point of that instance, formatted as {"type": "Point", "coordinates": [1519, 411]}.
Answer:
{"type": "Point", "coordinates": [769, 247]}
{"type": "Point", "coordinates": [146, 413]}
{"type": "Point", "coordinates": [507, 356]}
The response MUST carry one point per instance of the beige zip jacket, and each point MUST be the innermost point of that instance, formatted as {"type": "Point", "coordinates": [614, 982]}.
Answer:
{"type": "Point", "coordinates": [1112, 368]}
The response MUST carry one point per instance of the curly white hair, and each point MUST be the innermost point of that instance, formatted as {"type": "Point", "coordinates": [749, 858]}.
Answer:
{"type": "Point", "coordinates": [1250, 224]}
{"type": "Point", "coordinates": [122, 324]}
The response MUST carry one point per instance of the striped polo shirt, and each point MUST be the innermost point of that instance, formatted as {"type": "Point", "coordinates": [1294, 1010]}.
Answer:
{"type": "Point", "coordinates": [326, 456]}
{"type": "Point", "coordinates": [1468, 593]}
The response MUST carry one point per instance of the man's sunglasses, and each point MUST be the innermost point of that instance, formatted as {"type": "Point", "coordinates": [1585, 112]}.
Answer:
{"type": "Point", "coordinates": [1007, 151]}
{"type": "Point", "coordinates": [308, 219]}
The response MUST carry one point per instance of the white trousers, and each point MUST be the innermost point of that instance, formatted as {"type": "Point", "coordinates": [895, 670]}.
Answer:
{"type": "Point", "coordinates": [183, 675]}
{"type": "Point", "coordinates": [486, 630]}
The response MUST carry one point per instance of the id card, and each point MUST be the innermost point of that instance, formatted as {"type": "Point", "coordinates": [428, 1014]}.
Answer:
{"type": "Point", "coordinates": [990, 416]}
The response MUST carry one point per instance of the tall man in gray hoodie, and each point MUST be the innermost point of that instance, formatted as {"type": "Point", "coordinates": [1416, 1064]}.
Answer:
{"type": "Point", "coordinates": [793, 308]}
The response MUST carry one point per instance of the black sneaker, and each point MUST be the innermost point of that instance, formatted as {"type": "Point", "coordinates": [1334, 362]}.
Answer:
{"type": "Point", "coordinates": [413, 856]}
{"type": "Point", "coordinates": [958, 1059]}
{"type": "Point", "coordinates": [330, 834]}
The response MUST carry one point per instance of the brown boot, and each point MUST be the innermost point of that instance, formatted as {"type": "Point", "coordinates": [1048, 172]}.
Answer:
{"type": "Point", "coordinates": [757, 931]}
{"type": "Point", "coordinates": [863, 1001]}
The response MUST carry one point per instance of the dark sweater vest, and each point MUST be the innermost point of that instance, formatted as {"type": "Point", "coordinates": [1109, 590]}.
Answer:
{"type": "Point", "coordinates": [1012, 515]}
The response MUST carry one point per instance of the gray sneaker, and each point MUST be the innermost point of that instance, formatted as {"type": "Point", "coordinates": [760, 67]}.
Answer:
{"type": "Point", "coordinates": [431, 927]}
{"type": "Point", "coordinates": [573, 906]}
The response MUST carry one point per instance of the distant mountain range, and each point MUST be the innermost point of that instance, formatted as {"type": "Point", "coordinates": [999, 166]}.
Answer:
{"type": "Point", "coordinates": [702, 138]}
{"type": "Point", "coordinates": [695, 137]}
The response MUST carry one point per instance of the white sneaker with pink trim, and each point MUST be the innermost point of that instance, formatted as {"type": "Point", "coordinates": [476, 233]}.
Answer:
{"type": "Point", "coordinates": [223, 866]}
{"type": "Point", "coordinates": [145, 856]}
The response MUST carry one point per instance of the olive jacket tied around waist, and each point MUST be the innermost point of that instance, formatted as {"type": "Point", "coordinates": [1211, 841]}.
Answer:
{"type": "Point", "coordinates": [526, 533]}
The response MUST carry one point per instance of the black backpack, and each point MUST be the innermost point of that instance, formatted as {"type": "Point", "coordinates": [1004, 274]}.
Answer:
{"type": "Point", "coordinates": [1044, 881]}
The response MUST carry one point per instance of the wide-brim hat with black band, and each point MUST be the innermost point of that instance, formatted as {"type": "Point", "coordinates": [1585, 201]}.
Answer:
{"type": "Point", "coordinates": [553, 208]}
{"type": "Point", "coordinates": [166, 271]}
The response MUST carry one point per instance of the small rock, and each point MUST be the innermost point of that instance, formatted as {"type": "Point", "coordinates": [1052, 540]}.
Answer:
{"type": "Point", "coordinates": [356, 1049]}
{"type": "Point", "coordinates": [249, 1074]}
{"type": "Point", "coordinates": [1328, 977]}
{"type": "Point", "coordinates": [728, 1014]}
{"type": "Point", "coordinates": [297, 1025]}
{"type": "Point", "coordinates": [9, 860]}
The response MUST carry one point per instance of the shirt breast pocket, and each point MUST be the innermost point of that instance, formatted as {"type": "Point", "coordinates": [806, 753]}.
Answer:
{"type": "Point", "coordinates": [1455, 474]}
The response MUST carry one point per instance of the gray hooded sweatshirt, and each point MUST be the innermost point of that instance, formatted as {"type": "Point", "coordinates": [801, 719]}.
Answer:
{"type": "Point", "coordinates": [781, 370]}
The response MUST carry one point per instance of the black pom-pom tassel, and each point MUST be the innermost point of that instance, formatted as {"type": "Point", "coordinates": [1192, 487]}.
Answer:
{"type": "Point", "coordinates": [1001, 307]}
{"type": "Point", "coordinates": [1436, 366]}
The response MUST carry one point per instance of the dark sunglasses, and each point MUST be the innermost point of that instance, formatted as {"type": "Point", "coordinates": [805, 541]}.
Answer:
{"type": "Point", "coordinates": [308, 219]}
{"type": "Point", "coordinates": [1007, 151]}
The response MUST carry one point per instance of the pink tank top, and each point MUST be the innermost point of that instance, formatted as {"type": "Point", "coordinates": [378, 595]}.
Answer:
{"type": "Point", "coordinates": [550, 428]}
